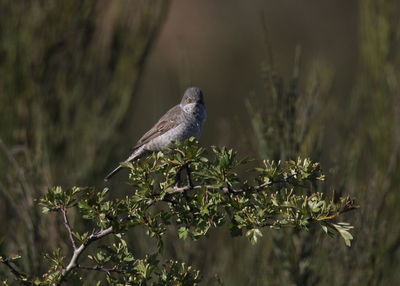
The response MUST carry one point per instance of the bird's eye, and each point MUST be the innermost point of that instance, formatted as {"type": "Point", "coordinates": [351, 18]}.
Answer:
{"type": "Point", "coordinates": [187, 99]}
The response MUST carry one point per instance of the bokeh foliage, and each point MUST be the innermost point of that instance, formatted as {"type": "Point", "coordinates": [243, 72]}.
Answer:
{"type": "Point", "coordinates": [68, 72]}
{"type": "Point", "coordinates": [365, 162]}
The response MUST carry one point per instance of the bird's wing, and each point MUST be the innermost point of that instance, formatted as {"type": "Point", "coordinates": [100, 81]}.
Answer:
{"type": "Point", "coordinates": [169, 120]}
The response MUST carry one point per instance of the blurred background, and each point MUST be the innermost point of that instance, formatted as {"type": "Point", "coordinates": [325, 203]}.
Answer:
{"type": "Point", "coordinates": [81, 81]}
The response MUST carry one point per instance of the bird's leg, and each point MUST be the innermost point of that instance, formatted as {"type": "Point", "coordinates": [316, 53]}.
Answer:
{"type": "Point", "coordinates": [189, 181]}
{"type": "Point", "coordinates": [178, 178]}
{"type": "Point", "coordinates": [189, 176]}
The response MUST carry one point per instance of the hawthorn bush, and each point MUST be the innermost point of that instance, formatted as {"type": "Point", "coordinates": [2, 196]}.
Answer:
{"type": "Point", "coordinates": [193, 188]}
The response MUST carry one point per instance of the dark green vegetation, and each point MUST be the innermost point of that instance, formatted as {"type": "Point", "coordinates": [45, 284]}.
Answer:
{"type": "Point", "coordinates": [70, 69]}
{"type": "Point", "coordinates": [193, 192]}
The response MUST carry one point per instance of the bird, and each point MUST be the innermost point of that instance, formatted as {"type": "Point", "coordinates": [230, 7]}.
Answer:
{"type": "Point", "coordinates": [181, 122]}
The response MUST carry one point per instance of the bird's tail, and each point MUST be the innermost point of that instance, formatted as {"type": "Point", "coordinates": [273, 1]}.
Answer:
{"type": "Point", "coordinates": [112, 173]}
{"type": "Point", "coordinates": [135, 155]}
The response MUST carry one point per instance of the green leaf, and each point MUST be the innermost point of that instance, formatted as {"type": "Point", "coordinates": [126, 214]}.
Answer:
{"type": "Point", "coordinates": [343, 229]}
{"type": "Point", "coordinates": [253, 235]}
{"type": "Point", "coordinates": [183, 232]}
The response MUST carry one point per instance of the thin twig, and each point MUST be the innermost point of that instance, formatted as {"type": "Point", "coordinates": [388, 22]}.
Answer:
{"type": "Point", "coordinates": [73, 263]}
{"type": "Point", "coordinates": [68, 227]}
{"type": "Point", "coordinates": [338, 213]}
{"type": "Point", "coordinates": [224, 189]}
{"type": "Point", "coordinates": [101, 269]}
{"type": "Point", "coordinates": [22, 277]}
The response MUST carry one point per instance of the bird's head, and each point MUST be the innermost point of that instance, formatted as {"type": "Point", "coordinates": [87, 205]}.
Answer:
{"type": "Point", "coordinates": [192, 95]}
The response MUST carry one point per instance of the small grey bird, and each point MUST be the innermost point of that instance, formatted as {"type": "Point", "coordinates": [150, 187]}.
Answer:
{"type": "Point", "coordinates": [179, 123]}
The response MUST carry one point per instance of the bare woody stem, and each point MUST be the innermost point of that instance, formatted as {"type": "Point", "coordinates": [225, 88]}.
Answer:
{"type": "Point", "coordinates": [68, 227]}
{"type": "Point", "coordinates": [73, 263]}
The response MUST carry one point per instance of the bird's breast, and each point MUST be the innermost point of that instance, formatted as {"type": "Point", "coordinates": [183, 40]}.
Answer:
{"type": "Point", "coordinates": [191, 124]}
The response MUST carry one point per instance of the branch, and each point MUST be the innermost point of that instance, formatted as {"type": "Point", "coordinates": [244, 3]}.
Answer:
{"type": "Point", "coordinates": [348, 208]}
{"type": "Point", "coordinates": [68, 227]}
{"type": "Point", "coordinates": [73, 263]}
{"type": "Point", "coordinates": [229, 190]}
{"type": "Point", "coordinates": [226, 189]}
{"type": "Point", "coordinates": [101, 269]}
{"type": "Point", "coordinates": [22, 277]}
{"type": "Point", "coordinates": [78, 251]}
{"type": "Point", "coordinates": [278, 223]}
